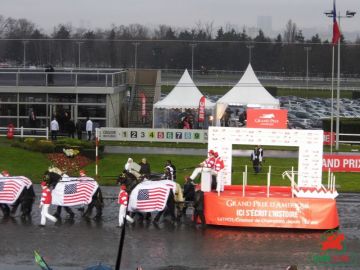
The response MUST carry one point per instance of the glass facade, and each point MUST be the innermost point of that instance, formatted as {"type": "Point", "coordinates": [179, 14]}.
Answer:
{"type": "Point", "coordinates": [47, 105]}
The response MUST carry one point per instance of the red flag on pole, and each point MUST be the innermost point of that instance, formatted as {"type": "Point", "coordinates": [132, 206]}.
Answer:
{"type": "Point", "coordinates": [336, 29]}
{"type": "Point", "coordinates": [202, 109]}
{"type": "Point", "coordinates": [143, 104]}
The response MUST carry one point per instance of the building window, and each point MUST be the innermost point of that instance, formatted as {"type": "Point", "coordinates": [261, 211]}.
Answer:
{"type": "Point", "coordinates": [8, 97]}
{"type": "Point", "coordinates": [8, 109]}
{"type": "Point", "coordinates": [39, 109]}
{"type": "Point", "coordinates": [33, 97]}
{"type": "Point", "coordinates": [92, 98]}
{"type": "Point", "coordinates": [65, 98]}
{"type": "Point", "coordinates": [92, 111]}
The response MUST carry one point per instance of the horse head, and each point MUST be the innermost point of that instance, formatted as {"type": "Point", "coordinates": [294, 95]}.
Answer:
{"type": "Point", "coordinates": [52, 176]}
{"type": "Point", "coordinates": [127, 179]}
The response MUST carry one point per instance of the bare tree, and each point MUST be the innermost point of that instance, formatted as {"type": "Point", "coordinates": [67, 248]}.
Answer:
{"type": "Point", "coordinates": [290, 32]}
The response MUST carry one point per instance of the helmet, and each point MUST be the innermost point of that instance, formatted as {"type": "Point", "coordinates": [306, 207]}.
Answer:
{"type": "Point", "coordinates": [5, 173]}
{"type": "Point", "coordinates": [211, 152]}
{"type": "Point", "coordinates": [123, 187]}
{"type": "Point", "coordinates": [82, 173]}
{"type": "Point", "coordinates": [216, 154]}
{"type": "Point", "coordinates": [43, 184]}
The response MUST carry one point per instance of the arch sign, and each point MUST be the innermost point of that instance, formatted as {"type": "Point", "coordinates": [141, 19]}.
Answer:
{"type": "Point", "coordinates": [310, 143]}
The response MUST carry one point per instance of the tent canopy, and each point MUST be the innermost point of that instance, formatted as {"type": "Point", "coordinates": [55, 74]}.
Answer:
{"type": "Point", "coordinates": [249, 92]}
{"type": "Point", "coordinates": [185, 95]}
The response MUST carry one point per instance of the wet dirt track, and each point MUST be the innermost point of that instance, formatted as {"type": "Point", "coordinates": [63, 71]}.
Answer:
{"type": "Point", "coordinates": [70, 246]}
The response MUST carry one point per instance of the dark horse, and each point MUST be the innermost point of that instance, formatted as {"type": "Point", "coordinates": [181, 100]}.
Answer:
{"type": "Point", "coordinates": [130, 181]}
{"type": "Point", "coordinates": [25, 200]}
{"type": "Point", "coordinates": [52, 178]}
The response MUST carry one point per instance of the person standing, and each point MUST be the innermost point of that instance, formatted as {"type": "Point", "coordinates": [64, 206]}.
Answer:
{"type": "Point", "coordinates": [32, 122]}
{"type": "Point", "coordinates": [145, 168]}
{"type": "Point", "coordinates": [70, 128]}
{"type": "Point", "coordinates": [123, 199]}
{"type": "Point", "coordinates": [54, 128]}
{"type": "Point", "coordinates": [45, 203]}
{"type": "Point", "coordinates": [257, 158]}
{"type": "Point", "coordinates": [89, 128]}
{"type": "Point", "coordinates": [171, 168]}
{"type": "Point", "coordinates": [79, 129]}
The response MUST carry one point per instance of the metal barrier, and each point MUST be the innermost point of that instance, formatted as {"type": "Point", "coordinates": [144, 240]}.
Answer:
{"type": "Point", "coordinates": [26, 132]}
{"type": "Point", "coordinates": [352, 135]}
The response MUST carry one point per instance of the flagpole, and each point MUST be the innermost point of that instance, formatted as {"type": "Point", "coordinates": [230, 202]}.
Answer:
{"type": "Point", "coordinates": [332, 99]}
{"type": "Point", "coordinates": [338, 94]}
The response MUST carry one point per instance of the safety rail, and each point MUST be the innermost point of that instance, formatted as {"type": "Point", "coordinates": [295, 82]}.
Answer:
{"type": "Point", "coordinates": [26, 132]}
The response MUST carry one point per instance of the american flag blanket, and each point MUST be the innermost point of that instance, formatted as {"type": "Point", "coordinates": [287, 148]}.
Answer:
{"type": "Point", "coordinates": [150, 196]}
{"type": "Point", "coordinates": [71, 191]}
{"type": "Point", "coordinates": [11, 188]}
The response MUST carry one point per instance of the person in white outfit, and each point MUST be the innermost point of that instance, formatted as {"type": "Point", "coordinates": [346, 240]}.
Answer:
{"type": "Point", "coordinates": [129, 168]}
{"type": "Point", "coordinates": [45, 203]}
{"type": "Point", "coordinates": [54, 128]}
{"type": "Point", "coordinates": [207, 165]}
{"type": "Point", "coordinates": [89, 128]}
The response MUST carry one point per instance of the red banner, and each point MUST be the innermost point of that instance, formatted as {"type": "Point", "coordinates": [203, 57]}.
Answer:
{"type": "Point", "coordinates": [202, 109]}
{"type": "Point", "coordinates": [302, 213]}
{"type": "Point", "coordinates": [143, 104]}
{"type": "Point", "coordinates": [266, 118]}
{"type": "Point", "coordinates": [327, 138]}
{"type": "Point", "coordinates": [342, 163]}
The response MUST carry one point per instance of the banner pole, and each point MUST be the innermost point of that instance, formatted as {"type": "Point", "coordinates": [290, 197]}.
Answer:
{"type": "Point", "coordinates": [96, 151]}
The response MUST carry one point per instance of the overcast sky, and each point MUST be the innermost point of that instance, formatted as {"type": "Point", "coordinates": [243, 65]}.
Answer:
{"type": "Point", "coordinates": [181, 13]}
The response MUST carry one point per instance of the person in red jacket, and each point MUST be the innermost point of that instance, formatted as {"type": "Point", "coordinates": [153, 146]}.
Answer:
{"type": "Point", "coordinates": [45, 203]}
{"type": "Point", "coordinates": [207, 165]}
{"type": "Point", "coordinates": [123, 199]}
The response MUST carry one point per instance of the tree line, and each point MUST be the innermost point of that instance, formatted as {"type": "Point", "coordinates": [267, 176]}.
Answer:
{"type": "Point", "coordinates": [165, 47]}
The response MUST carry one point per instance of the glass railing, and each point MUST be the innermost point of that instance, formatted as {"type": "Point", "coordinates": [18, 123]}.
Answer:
{"type": "Point", "coordinates": [63, 78]}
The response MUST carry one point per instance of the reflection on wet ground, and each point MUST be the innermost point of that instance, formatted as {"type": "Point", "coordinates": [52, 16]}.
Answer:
{"type": "Point", "coordinates": [73, 245]}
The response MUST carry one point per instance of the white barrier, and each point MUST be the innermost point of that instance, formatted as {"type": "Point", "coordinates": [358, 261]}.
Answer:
{"type": "Point", "coordinates": [20, 132]}
{"type": "Point", "coordinates": [153, 135]}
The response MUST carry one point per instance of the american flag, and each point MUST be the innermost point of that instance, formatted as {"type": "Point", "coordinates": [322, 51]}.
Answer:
{"type": "Point", "coordinates": [72, 193]}
{"type": "Point", "coordinates": [152, 199]}
{"type": "Point", "coordinates": [149, 196]}
{"type": "Point", "coordinates": [10, 189]}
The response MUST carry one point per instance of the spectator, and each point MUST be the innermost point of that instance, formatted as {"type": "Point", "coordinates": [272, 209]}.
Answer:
{"type": "Point", "coordinates": [70, 128]}
{"type": "Point", "coordinates": [32, 122]}
{"type": "Point", "coordinates": [186, 123]}
{"type": "Point", "coordinates": [54, 128]}
{"type": "Point", "coordinates": [145, 168]}
{"type": "Point", "coordinates": [89, 128]}
{"type": "Point", "coordinates": [79, 129]}
{"type": "Point", "coordinates": [257, 158]}
{"type": "Point", "coordinates": [50, 76]}
{"type": "Point", "coordinates": [171, 168]}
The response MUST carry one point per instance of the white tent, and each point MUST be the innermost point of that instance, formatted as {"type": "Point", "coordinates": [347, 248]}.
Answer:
{"type": "Point", "coordinates": [185, 96]}
{"type": "Point", "coordinates": [247, 92]}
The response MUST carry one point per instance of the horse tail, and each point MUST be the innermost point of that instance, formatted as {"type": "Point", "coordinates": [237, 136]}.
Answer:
{"type": "Point", "coordinates": [100, 197]}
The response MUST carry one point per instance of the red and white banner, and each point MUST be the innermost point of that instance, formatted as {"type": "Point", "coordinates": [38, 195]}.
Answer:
{"type": "Point", "coordinates": [232, 209]}
{"type": "Point", "coordinates": [202, 109]}
{"type": "Point", "coordinates": [328, 136]}
{"type": "Point", "coordinates": [341, 163]}
{"type": "Point", "coordinates": [150, 196]}
{"type": "Point", "coordinates": [143, 104]}
{"type": "Point", "coordinates": [74, 191]}
{"type": "Point", "coordinates": [266, 118]}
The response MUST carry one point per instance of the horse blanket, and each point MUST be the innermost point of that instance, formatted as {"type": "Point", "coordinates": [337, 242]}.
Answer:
{"type": "Point", "coordinates": [11, 188]}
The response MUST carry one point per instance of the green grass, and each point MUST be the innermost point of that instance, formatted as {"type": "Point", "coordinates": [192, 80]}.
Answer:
{"type": "Point", "coordinates": [32, 164]}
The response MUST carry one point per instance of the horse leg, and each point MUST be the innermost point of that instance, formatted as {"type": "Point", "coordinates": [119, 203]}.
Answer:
{"type": "Point", "coordinates": [5, 209]}
{"type": "Point", "coordinates": [57, 213]}
{"type": "Point", "coordinates": [70, 212]}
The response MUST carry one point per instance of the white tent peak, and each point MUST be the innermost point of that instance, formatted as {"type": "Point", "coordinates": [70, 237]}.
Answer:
{"type": "Point", "coordinates": [249, 92]}
{"type": "Point", "coordinates": [185, 95]}
{"type": "Point", "coordinates": [249, 77]}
